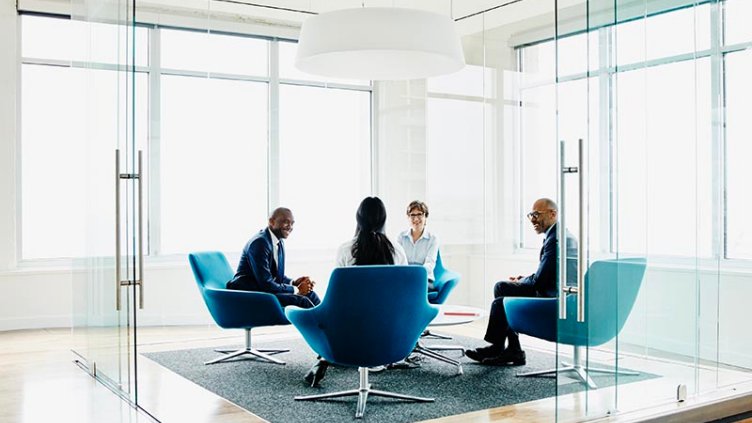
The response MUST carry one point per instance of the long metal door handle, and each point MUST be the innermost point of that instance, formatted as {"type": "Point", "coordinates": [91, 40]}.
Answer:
{"type": "Point", "coordinates": [117, 230]}
{"type": "Point", "coordinates": [140, 281]}
{"type": "Point", "coordinates": [583, 233]}
{"type": "Point", "coordinates": [561, 234]}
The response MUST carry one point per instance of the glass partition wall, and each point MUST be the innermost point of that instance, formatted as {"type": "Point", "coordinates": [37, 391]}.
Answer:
{"type": "Point", "coordinates": [101, 52]}
{"type": "Point", "coordinates": [630, 115]}
{"type": "Point", "coordinates": [642, 100]}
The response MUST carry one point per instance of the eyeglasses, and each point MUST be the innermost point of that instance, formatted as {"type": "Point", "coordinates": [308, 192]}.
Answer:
{"type": "Point", "coordinates": [536, 214]}
{"type": "Point", "coordinates": [414, 215]}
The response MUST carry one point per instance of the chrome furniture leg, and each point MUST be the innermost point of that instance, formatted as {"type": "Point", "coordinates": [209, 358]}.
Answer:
{"type": "Point", "coordinates": [263, 354]}
{"type": "Point", "coordinates": [363, 391]}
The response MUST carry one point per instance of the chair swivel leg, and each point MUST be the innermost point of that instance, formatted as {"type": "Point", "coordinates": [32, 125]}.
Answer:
{"type": "Point", "coordinates": [363, 391]}
{"type": "Point", "coordinates": [263, 354]}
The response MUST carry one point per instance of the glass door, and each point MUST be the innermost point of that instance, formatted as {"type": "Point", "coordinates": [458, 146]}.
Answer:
{"type": "Point", "coordinates": [107, 292]}
{"type": "Point", "coordinates": [633, 124]}
{"type": "Point", "coordinates": [585, 376]}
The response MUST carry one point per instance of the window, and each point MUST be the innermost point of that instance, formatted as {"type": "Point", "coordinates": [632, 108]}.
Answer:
{"type": "Point", "coordinates": [56, 137]}
{"type": "Point", "coordinates": [71, 40]}
{"type": "Point", "coordinates": [657, 107]}
{"type": "Point", "coordinates": [736, 18]}
{"type": "Point", "coordinates": [214, 53]}
{"type": "Point", "coordinates": [738, 151]}
{"type": "Point", "coordinates": [213, 163]}
{"type": "Point", "coordinates": [325, 160]}
{"type": "Point", "coordinates": [203, 121]}
{"type": "Point", "coordinates": [454, 174]}
{"type": "Point", "coordinates": [456, 119]}
{"type": "Point", "coordinates": [671, 152]}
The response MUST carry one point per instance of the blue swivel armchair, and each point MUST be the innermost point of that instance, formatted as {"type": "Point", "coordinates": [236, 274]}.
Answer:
{"type": "Point", "coordinates": [235, 309]}
{"type": "Point", "coordinates": [611, 290]}
{"type": "Point", "coordinates": [351, 328]}
{"type": "Point", "coordinates": [445, 281]}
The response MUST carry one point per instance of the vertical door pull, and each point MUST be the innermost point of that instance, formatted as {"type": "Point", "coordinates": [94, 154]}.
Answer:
{"type": "Point", "coordinates": [561, 233]}
{"type": "Point", "coordinates": [140, 279]}
{"type": "Point", "coordinates": [579, 290]}
{"type": "Point", "coordinates": [117, 230]}
{"type": "Point", "coordinates": [581, 259]}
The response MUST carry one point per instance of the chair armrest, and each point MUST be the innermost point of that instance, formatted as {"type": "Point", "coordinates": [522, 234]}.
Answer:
{"type": "Point", "coordinates": [233, 309]}
{"type": "Point", "coordinates": [444, 284]}
{"type": "Point", "coordinates": [445, 277]}
{"type": "Point", "coordinates": [307, 322]}
{"type": "Point", "coordinates": [533, 316]}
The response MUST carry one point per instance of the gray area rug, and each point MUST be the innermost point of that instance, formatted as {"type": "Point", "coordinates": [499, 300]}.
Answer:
{"type": "Point", "coordinates": [267, 390]}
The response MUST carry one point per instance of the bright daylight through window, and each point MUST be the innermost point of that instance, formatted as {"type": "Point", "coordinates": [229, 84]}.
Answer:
{"type": "Point", "coordinates": [209, 129]}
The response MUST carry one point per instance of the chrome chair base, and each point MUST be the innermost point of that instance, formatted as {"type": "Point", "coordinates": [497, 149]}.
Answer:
{"type": "Point", "coordinates": [431, 352]}
{"type": "Point", "coordinates": [580, 371]}
{"type": "Point", "coordinates": [363, 391]}
{"type": "Point", "coordinates": [428, 334]}
{"type": "Point", "coordinates": [263, 354]}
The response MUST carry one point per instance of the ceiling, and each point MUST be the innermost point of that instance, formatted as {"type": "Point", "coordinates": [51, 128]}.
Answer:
{"type": "Point", "coordinates": [454, 9]}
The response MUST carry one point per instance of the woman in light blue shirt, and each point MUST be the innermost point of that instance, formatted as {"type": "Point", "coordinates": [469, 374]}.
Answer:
{"type": "Point", "coordinates": [421, 246]}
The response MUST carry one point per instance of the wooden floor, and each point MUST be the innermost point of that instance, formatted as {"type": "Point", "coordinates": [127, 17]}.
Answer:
{"type": "Point", "coordinates": [40, 382]}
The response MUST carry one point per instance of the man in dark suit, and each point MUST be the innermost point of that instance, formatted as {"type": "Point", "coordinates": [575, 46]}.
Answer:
{"type": "Point", "coordinates": [542, 283]}
{"type": "Point", "coordinates": [262, 265]}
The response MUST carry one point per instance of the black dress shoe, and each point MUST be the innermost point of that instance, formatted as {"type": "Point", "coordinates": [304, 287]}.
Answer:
{"type": "Point", "coordinates": [508, 357]}
{"type": "Point", "coordinates": [482, 353]}
{"type": "Point", "coordinates": [404, 364]}
{"type": "Point", "coordinates": [317, 372]}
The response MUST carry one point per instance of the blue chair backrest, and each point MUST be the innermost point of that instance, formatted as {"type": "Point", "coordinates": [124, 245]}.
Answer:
{"type": "Point", "coordinates": [444, 281]}
{"type": "Point", "coordinates": [210, 269]}
{"type": "Point", "coordinates": [373, 315]}
{"type": "Point", "coordinates": [230, 308]}
{"type": "Point", "coordinates": [439, 269]}
{"type": "Point", "coordinates": [611, 291]}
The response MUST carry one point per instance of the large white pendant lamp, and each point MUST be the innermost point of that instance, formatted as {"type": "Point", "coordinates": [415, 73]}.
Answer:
{"type": "Point", "coordinates": [379, 43]}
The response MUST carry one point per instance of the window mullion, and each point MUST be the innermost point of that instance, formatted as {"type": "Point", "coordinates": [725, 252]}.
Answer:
{"type": "Point", "coordinates": [273, 140]}
{"type": "Point", "coordinates": [154, 145]}
{"type": "Point", "coordinates": [717, 108]}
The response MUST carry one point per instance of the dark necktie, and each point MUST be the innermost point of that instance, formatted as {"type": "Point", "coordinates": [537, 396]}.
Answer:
{"type": "Point", "coordinates": [281, 261]}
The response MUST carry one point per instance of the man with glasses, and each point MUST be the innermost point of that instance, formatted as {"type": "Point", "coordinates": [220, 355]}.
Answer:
{"type": "Point", "coordinates": [542, 283]}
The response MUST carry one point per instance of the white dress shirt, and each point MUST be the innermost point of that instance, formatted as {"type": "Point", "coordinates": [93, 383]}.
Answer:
{"type": "Point", "coordinates": [422, 252]}
{"type": "Point", "coordinates": [346, 259]}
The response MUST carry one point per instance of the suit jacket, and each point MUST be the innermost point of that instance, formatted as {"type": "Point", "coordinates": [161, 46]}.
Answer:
{"type": "Point", "coordinates": [258, 271]}
{"type": "Point", "coordinates": [545, 277]}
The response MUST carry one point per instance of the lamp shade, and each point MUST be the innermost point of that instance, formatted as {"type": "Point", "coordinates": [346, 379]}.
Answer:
{"type": "Point", "coordinates": [379, 43]}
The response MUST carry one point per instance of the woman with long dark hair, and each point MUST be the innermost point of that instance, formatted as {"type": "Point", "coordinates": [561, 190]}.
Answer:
{"type": "Point", "coordinates": [370, 244]}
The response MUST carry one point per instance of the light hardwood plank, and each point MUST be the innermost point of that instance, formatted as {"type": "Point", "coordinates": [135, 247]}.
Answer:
{"type": "Point", "coordinates": [40, 382]}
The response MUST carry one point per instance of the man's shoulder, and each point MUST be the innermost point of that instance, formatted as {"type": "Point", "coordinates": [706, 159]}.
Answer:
{"type": "Point", "coordinates": [261, 238]}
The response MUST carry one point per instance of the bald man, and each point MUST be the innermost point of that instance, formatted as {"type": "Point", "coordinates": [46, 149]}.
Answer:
{"type": "Point", "coordinates": [262, 265]}
{"type": "Point", "coordinates": [542, 283]}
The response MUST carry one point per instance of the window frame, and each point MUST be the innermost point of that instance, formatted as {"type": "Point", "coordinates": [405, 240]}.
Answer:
{"type": "Point", "coordinates": [154, 72]}
{"type": "Point", "coordinates": [717, 52]}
